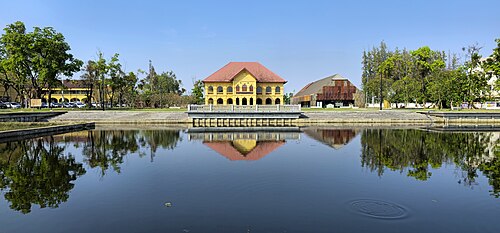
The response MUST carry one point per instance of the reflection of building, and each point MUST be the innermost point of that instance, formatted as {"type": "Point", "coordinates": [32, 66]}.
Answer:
{"type": "Point", "coordinates": [335, 90]}
{"type": "Point", "coordinates": [248, 146]}
{"type": "Point", "coordinates": [336, 138]}
{"type": "Point", "coordinates": [244, 83]}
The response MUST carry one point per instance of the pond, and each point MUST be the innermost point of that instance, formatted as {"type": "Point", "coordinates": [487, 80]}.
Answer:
{"type": "Point", "coordinates": [309, 180]}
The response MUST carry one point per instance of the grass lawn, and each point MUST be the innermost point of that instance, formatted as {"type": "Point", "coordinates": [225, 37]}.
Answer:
{"type": "Point", "coordinates": [25, 125]}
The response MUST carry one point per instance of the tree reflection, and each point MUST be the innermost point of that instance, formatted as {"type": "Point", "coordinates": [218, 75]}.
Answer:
{"type": "Point", "coordinates": [107, 149]}
{"type": "Point", "coordinates": [36, 172]}
{"type": "Point", "coordinates": [417, 151]}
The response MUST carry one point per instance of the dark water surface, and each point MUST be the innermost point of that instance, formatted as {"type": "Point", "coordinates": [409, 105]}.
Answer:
{"type": "Point", "coordinates": [318, 180]}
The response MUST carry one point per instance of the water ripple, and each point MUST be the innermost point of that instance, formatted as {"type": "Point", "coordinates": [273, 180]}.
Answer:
{"type": "Point", "coordinates": [378, 209]}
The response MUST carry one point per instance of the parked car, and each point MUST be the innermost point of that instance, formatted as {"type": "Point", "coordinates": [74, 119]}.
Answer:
{"type": "Point", "coordinates": [7, 104]}
{"type": "Point", "coordinates": [3, 105]}
{"type": "Point", "coordinates": [56, 105]}
{"type": "Point", "coordinates": [69, 105]}
{"type": "Point", "coordinates": [44, 105]}
{"type": "Point", "coordinates": [15, 105]}
{"type": "Point", "coordinates": [80, 105]}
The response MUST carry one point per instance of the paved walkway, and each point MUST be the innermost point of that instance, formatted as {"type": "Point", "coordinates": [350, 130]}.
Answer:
{"type": "Point", "coordinates": [397, 116]}
{"type": "Point", "coordinates": [124, 116]}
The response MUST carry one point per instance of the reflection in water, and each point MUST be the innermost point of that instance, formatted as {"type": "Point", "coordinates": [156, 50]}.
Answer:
{"type": "Point", "coordinates": [106, 149]}
{"type": "Point", "coordinates": [244, 145]}
{"type": "Point", "coordinates": [417, 151]}
{"type": "Point", "coordinates": [42, 171]}
{"type": "Point", "coordinates": [335, 138]}
{"type": "Point", "coordinates": [36, 172]}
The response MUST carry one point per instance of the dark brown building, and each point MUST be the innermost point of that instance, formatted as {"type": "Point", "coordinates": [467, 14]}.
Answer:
{"type": "Point", "coordinates": [335, 90]}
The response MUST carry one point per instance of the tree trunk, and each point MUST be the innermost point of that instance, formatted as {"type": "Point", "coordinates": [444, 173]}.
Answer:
{"type": "Point", "coordinates": [50, 97]}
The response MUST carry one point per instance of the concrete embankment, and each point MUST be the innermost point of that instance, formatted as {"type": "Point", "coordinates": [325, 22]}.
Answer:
{"type": "Point", "coordinates": [21, 134]}
{"type": "Point", "coordinates": [29, 116]}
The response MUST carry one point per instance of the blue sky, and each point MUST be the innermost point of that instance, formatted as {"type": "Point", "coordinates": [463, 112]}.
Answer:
{"type": "Point", "coordinates": [301, 41]}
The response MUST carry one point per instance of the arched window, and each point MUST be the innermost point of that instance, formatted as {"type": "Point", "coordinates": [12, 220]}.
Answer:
{"type": "Point", "coordinates": [229, 101]}
{"type": "Point", "coordinates": [237, 101]}
{"type": "Point", "coordinates": [277, 90]}
{"type": "Point", "coordinates": [229, 89]}
{"type": "Point", "coordinates": [210, 101]}
{"type": "Point", "coordinates": [251, 88]}
{"type": "Point", "coordinates": [269, 101]}
{"type": "Point", "coordinates": [220, 89]}
{"type": "Point", "coordinates": [268, 90]}
{"type": "Point", "coordinates": [251, 101]}
{"type": "Point", "coordinates": [277, 101]}
{"type": "Point", "coordinates": [244, 101]}
{"type": "Point", "coordinates": [220, 101]}
{"type": "Point", "coordinates": [244, 88]}
{"type": "Point", "coordinates": [259, 101]}
{"type": "Point", "coordinates": [237, 88]}
{"type": "Point", "coordinates": [210, 89]}
{"type": "Point", "coordinates": [259, 90]}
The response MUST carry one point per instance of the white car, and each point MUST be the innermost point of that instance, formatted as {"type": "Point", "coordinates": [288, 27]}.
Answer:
{"type": "Point", "coordinates": [15, 105]}
{"type": "Point", "coordinates": [80, 105]}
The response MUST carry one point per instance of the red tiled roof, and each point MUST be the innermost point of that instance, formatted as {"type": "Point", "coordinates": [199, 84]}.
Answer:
{"type": "Point", "coordinates": [229, 71]}
{"type": "Point", "coordinates": [227, 150]}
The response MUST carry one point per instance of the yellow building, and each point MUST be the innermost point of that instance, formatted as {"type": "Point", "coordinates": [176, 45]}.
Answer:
{"type": "Point", "coordinates": [244, 83]}
{"type": "Point", "coordinates": [73, 91]}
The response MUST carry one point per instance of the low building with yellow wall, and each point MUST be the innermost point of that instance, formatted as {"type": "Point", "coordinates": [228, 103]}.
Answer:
{"type": "Point", "coordinates": [244, 83]}
{"type": "Point", "coordinates": [73, 91]}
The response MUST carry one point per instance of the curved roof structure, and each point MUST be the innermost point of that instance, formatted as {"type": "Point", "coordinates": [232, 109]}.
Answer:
{"type": "Point", "coordinates": [316, 86]}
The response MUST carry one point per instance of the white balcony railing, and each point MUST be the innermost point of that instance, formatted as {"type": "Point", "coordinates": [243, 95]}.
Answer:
{"type": "Point", "coordinates": [243, 108]}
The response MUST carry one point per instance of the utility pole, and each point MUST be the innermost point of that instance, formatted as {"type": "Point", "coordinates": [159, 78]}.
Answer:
{"type": "Point", "coordinates": [381, 99]}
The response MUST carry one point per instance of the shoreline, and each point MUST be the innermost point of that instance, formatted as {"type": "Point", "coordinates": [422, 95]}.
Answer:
{"type": "Point", "coordinates": [370, 118]}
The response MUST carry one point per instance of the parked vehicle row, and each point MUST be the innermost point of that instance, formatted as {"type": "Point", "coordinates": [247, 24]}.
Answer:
{"type": "Point", "coordinates": [13, 105]}
{"type": "Point", "coordinates": [65, 105]}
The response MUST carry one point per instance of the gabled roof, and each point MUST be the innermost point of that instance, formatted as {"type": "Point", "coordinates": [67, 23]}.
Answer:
{"type": "Point", "coordinates": [229, 71]}
{"type": "Point", "coordinates": [226, 149]}
{"type": "Point", "coordinates": [316, 86]}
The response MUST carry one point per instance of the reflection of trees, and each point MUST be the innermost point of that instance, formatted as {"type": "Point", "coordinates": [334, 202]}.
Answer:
{"type": "Point", "coordinates": [491, 169]}
{"type": "Point", "coordinates": [416, 151]}
{"type": "Point", "coordinates": [107, 149]}
{"type": "Point", "coordinates": [36, 172]}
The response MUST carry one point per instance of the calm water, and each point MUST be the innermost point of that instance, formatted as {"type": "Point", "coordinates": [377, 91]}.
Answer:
{"type": "Point", "coordinates": [318, 180]}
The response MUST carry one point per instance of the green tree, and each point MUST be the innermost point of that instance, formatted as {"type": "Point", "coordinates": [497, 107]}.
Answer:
{"type": "Point", "coordinates": [198, 92]}
{"type": "Point", "coordinates": [14, 62]}
{"type": "Point", "coordinates": [492, 64]}
{"type": "Point", "coordinates": [477, 83]}
{"type": "Point", "coordinates": [287, 97]}
{"type": "Point", "coordinates": [427, 62]}
{"type": "Point", "coordinates": [90, 79]}
{"type": "Point", "coordinates": [37, 58]}
{"type": "Point", "coordinates": [371, 62]}
{"type": "Point", "coordinates": [116, 77]}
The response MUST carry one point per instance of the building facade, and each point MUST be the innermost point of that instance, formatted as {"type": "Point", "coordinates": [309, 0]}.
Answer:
{"type": "Point", "coordinates": [244, 83]}
{"type": "Point", "coordinates": [73, 91]}
{"type": "Point", "coordinates": [335, 91]}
